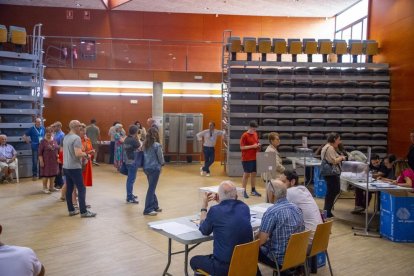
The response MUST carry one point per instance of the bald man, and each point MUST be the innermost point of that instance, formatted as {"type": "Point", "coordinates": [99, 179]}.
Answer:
{"type": "Point", "coordinates": [229, 221]}
{"type": "Point", "coordinates": [7, 159]}
{"type": "Point", "coordinates": [72, 169]}
{"type": "Point", "coordinates": [36, 133]}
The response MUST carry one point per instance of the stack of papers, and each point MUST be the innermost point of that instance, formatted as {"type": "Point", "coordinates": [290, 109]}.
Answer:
{"type": "Point", "coordinates": [383, 185]}
{"type": "Point", "coordinates": [174, 228]}
{"type": "Point", "coordinates": [257, 209]}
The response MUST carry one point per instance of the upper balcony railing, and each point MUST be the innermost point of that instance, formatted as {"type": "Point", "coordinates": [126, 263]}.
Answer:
{"type": "Point", "coordinates": [132, 54]}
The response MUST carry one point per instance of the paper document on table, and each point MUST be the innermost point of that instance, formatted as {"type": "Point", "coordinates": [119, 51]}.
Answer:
{"type": "Point", "coordinates": [383, 185]}
{"type": "Point", "coordinates": [174, 228]}
{"type": "Point", "coordinates": [258, 209]}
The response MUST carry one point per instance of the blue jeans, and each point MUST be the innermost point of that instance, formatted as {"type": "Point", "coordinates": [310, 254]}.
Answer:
{"type": "Point", "coordinates": [151, 201]}
{"type": "Point", "coordinates": [209, 265]}
{"type": "Point", "coordinates": [35, 159]}
{"type": "Point", "coordinates": [111, 152]}
{"type": "Point", "coordinates": [74, 177]}
{"type": "Point", "coordinates": [132, 175]}
{"type": "Point", "coordinates": [208, 158]}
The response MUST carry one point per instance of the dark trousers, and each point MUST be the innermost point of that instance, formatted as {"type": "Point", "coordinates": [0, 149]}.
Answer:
{"type": "Point", "coordinates": [210, 265]}
{"type": "Point", "coordinates": [35, 159]}
{"type": "Point", "coordinates": [360, 197]}
{"type": "Point", "coordinates": [59, 178]}
{"type": "Point", "coordinates": [151, 200]}
{"type": "Point", "coordinates": [74, 177]}
{"type": "Point", "coordinates": [111, 152]}
{"type": "Point", "coordinates": [333, 187]}
{"type": "Point", "coordinates": [208, 158]}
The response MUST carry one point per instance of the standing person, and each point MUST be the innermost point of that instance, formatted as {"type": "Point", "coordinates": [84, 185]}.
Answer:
{"type": "Point", "coordinates": [249, 145]}
{"type": "Point", "coordinates": [111, 134]}
{"type": "Point", "coordinates": [87, 164]}
{"type": "Point", "coordinates": [229, 221]}
{"type": "Point", "coordinates": [153, 161]}
{"type": "Point", "coordinates": [141, 131]}
{"type": "Point", "coordinates": [152, 124]}
{"type": "Point", "coordinates": [274, 142]}
{"type": "Point", "coordinates": [119, 138]}
{"type": "Point", "coordinates": [333, 185]}
{"type": "Point", "coordinates": [94, 134]}
{"type": "Point", "coordinates": [410, 155]}
{"type": "Point", "coordinates": [19, 261]}
{"type": "Point", "coordinates": [210, 137]}
{"type": "Point", "coordinates": [58, 137]}
{"type": "Point", "coordinates": [72, 168]}
{"type": "Point", "coordinates": [36, 134]}
{"type": "Point", "coordinates": [131, 145]}
{"type": "Point", "coordinates": [7, 159]}
{"type": "Point", "coordinates": [48, 161]}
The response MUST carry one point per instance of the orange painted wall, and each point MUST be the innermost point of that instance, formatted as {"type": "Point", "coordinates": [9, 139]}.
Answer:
{"type": "Point", "coordinates": [391, 23]}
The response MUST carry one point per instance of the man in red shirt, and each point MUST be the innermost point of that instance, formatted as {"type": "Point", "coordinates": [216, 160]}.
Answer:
{"type": "Point", "coordinates": [249, 145]}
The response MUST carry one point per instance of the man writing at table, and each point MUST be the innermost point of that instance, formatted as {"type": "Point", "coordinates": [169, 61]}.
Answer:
{"type": "Point", "coordinates": [229, 221]}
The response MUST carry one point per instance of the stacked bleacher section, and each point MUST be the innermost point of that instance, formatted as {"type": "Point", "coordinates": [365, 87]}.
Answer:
{"type": "Point", "coordinates": [21, 88]}
{"type": "Point", "coordinates": [309, 99]}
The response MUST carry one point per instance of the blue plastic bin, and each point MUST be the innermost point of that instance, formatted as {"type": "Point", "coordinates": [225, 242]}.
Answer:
{"type": "Point", "coordinates": [397, 216]}
{"type": "Point", "coordinates": [319, 188]}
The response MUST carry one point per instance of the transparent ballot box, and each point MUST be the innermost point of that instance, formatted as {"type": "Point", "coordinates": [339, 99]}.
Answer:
{"type": "Point", "coordinates": [354, 170]}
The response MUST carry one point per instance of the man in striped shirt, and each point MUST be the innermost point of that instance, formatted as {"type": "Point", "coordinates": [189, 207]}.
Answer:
{"type": "Point", "coordinates": [279, 222]}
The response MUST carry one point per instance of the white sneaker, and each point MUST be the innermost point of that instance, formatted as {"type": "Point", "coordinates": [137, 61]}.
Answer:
{"type": "Point", "coordinates": [202, 172]}
{"type": "Point", "coordinates": [207, 174]}
{"type": "Point", "coordinates": [46, 191]}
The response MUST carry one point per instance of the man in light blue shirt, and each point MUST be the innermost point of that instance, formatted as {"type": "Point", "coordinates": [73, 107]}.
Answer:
{"type": "Point", "coordinates": [36, 133]}
{"type": "Point", "coordinates": [210, 137]}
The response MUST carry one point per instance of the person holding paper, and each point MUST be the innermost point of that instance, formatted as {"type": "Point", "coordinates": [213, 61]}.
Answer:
{"type": "Point", "coordinates": [210, 137]}
{"type": "Point", "coordinates": [229, 221]}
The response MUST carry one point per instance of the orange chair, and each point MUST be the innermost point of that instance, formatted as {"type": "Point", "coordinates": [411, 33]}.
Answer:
{"type": "Point", "coordinates": [17, 35]}
{"type": "Point", "coordinates": [321, 241]}
{"type": "Point", "coordinates": [264, 46]}
{"type": "Point", "coordinates": [249, 46]}
{"type": "Point", "coordinates": [324, 48]}
{"type": "Point", "coordinates": [243, 261]}
{"type": "Point", "coordinates": [3, 35]}
{"type": "Point", "coordinates": [295, 254]}
{"type": "Point", "coordinates": [340, 48]}
{"type": "Point", "coordinates": [234, 46]}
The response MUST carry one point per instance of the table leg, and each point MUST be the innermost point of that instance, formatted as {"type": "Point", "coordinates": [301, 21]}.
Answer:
{"type": "Point", "coordinates": [186, 260]}
{"type": "Point", "coordinates": [169, 258]}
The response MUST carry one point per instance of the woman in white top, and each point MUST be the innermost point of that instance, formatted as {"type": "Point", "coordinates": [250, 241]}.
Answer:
{"type": "Point", "coordinates": [274, 142]}
{"type": "Point", "coordinates": [210, 137]}
{"type": "Point", "coordinates": [333, 186]}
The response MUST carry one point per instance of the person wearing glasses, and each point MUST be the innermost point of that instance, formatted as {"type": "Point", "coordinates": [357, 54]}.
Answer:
{"type": "Point", "coordinates": [210, 137]}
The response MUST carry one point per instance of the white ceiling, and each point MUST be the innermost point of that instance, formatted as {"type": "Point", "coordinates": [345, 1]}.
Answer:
{"type": "Point", "coordinates": [293, 8]}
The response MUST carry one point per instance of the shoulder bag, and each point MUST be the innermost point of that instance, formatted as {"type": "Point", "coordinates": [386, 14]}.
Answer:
{"type": "Point", "coordinates": [328, 169]}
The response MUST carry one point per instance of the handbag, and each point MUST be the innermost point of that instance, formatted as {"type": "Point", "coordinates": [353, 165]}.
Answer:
{"type": "Point", "coordinates": [328, 169]}
{"type": "Point", "coordinates": [123, 169]}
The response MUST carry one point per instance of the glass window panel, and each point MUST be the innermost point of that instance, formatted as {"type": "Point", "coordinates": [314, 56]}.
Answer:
{"type": "Point", "coordinates": [357, 31]}
{"type": "Point", "coordinates": [364, 29]}
{"type": "Point", "coordinates": [354, 13]}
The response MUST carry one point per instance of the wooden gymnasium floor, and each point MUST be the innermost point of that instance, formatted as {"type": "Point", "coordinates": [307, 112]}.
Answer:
{"type": "Point", "coordinates": [119, 242]}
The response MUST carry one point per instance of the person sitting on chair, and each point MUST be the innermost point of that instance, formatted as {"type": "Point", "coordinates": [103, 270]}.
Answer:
{"type": "Point", "coordinates": [17, 260]}
{"type": "Point", "coordinates": [229, 221]}
{"type": "Point", "coordinates": [7, 159]}
{"type": "Point", "coordinates": [279, 222]}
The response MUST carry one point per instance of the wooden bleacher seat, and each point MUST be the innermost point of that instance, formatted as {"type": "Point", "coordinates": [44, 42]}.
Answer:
{"type": "Point", "coordinates": [234, 46]}
{"type": "Point", "coordinates": [294, 48]}
{"type": "Point", "coordinates": [249, 46]}
{"type": "Point", "coordinates": [270, 109]}
{"type": "Point", "coordinates": [324, 48]}
{"type": "Point", "coordinates": [370, 49]}
{"type": "Point", "coordinates": [355, 49]}
{"type": "Point", "coordinates": [279, 48]}
{"type": "Point", "coordinates": [3, 36]}
{"type": "Point", "coordinates": [340, 48]}
{"type": "Point", "coordinates": [310, 47]}
{"type": "Point", "coordinates": [264, 46]}
{"type": "Point", "coordinates": [17, 35]}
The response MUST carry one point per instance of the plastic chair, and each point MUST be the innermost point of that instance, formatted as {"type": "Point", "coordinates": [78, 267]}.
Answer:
{"type": "Point", "coordinates": [295, 254]}
{"type": "Point", "coordinates": [243, 261]}
{"type": "Point", "coordinates": [321, 241]}
{"type": "Point", "coordinates": [17, 35]}
{"type": "Point", "coordinates": [324, 48]}
{"type": "Point", "coordinates": [3, 34]}
{"type": "Point", "coordinates": [355, 49]}
{"type": "Point", "coordinates": [264, 46]}
{"type": "Point", "coordinates": [279, 48]}
{"type": "Point", "coordinates": [234, 46]}
{"type": "Point", "coordinates": [370, 48]}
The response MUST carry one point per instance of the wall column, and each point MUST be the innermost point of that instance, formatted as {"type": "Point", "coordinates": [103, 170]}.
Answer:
{"type": "Point", "coordinates": [158, 106]}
